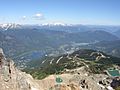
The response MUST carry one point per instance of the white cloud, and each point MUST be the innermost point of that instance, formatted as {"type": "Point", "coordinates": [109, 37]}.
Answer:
{"type": "Point", "coordinates": [24, 17]}
{"type": "Point", "coordinates": [39, 16]}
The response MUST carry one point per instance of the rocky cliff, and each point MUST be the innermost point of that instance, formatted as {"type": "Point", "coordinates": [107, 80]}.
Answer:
{"type": "Point", "coordinates": [13, 79]}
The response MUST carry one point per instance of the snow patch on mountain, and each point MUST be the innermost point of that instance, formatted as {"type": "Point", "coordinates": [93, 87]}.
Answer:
{"type": "Point", "coordinates": [7, 26]}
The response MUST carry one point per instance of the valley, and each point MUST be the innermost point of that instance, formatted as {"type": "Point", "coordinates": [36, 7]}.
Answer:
{"type": "Point", "coordinates": [26, 43]}
{"type": "Point", "coordinates": [60, 45]}
{"type": "Point", "coordinates": [74, 57]}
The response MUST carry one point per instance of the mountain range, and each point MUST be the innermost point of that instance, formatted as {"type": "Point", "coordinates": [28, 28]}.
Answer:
{"type": "Point", "coordinates": [77, 56]}
{"type": "Point", "coordinates": [31, 42]}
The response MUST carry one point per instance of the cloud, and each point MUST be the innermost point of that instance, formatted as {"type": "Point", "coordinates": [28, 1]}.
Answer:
{"type": "Point", "coordinates": [24, 17]}
{"type": "Point", "coordinates": [39, 16]}
{"type": "Point", "coordinates": [35, 17]}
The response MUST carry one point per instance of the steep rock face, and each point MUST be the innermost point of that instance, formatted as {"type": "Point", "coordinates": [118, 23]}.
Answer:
{"type": "Point", "coordinates": [13, 79]}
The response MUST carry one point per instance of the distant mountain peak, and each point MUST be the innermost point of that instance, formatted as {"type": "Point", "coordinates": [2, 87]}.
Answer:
{"type": "Point", "coordinates": [7, 26]}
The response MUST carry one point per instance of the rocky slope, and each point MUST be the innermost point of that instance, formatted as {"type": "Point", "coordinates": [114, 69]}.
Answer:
{"type": "Point", "coordinates": [13, 79]}
{"type": "Point", "coordinates": [71, 79]}
{"type": "Point", "coordinates": [75, 81]}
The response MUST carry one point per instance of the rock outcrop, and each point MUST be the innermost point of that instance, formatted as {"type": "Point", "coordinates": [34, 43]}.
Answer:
{"type": "Point", "coordinates": [13, 79]}
{"type": "Point", "coordinates": [76, 82]}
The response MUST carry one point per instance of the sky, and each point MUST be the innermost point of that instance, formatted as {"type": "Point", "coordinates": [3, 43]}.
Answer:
{"type": "Point", "coordinates": [93, 12]}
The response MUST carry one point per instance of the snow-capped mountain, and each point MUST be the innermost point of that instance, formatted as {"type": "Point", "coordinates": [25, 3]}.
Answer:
{"type": "Point", "coordinates": [55, 24]}
{"type": "Point", "coordinates": [9, 26]}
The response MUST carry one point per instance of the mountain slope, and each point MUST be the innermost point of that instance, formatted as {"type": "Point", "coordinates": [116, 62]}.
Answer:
{"type": "Point", "coordinates": [83, 54]}
{"type": "Point", "coordinates": [109, 47]}
{"type": "Point", "coordinates": [48, 37]}
{"type": "Point", "coordinates": [93, 36]}
{"type": "Point", "coordinates": [10, 44]}
{"type": "Point", "coordinates": [94, 61]}
{"type": "Point", "coordinates": [117, 33]}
